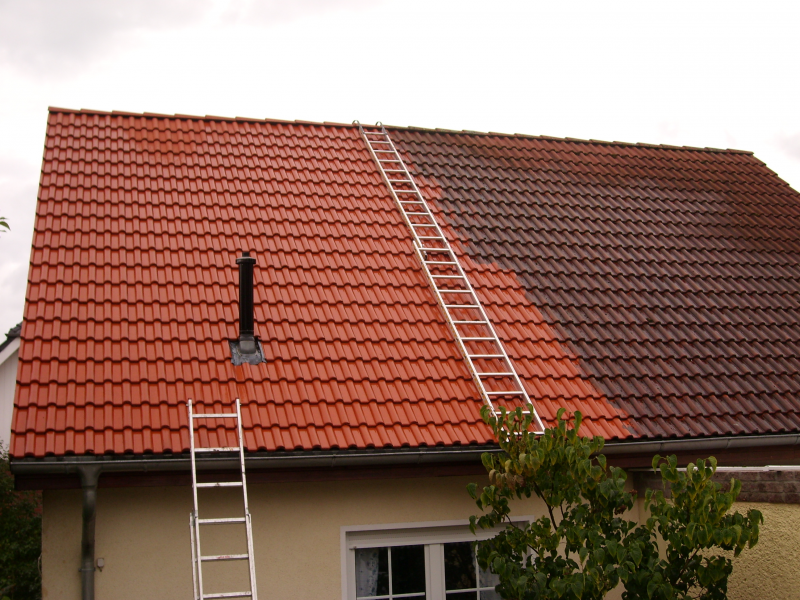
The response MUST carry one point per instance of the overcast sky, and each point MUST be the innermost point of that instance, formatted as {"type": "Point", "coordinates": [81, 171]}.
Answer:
{"type": "Point", "coordinates": [721, 74]}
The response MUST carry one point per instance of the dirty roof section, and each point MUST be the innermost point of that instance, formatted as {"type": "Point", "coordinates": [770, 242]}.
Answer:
{"type": "Point", "coordinates": [654, 289]}
{"type": "Point", "coordinates": [673, 274]}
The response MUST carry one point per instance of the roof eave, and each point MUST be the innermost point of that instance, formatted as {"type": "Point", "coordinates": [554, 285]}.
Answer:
{"type": "Point", "coordinates": [373, 457]}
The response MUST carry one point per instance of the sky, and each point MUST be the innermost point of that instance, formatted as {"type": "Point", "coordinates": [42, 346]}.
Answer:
{"type": "Point", "coordinates": [699, 73]}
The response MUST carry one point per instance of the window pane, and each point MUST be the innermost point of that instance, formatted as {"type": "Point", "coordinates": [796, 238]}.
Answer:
{"type": "Point", "coordinates": [408, 569]}
{"type": "Point", "coordinates": [462, 595]}
{"type": "Point", "coordinates": [488, 579]}
{"type": "Point", "coordinates": [489, 595]}
{"type": "Point", "coordinates": [372, 572]}
{"type": "Point", "coordinates": [459, 567]}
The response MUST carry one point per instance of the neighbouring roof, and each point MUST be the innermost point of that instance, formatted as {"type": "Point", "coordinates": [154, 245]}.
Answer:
{"type": "Point", "coordinates": [11, 335]}
{"type": "Point", "coordinates": [653, 288]}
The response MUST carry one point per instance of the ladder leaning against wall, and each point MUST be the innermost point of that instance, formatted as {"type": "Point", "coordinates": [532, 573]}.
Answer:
{"type": "Point", "coordinates": [491, 368]}
{"type": "Point", "coordinates": [196, 523]}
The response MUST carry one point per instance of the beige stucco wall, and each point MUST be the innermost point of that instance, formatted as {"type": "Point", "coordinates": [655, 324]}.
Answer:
{"type": "Point", "coordinates": [143, 534]}
{"type": "Point", "coordinates": [771, 569]}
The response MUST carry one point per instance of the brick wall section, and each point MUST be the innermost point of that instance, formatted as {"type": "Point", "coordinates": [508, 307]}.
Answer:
{"type": "Point", "coordinates": [778, 487]}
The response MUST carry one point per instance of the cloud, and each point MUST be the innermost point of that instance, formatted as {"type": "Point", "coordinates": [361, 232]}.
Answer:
{"type": "Point", "coordinates": [48, 37]}
{"type": "Point", "coordinates": [790, 144]}
{"type": "Point", "coordinates": [18, 185]}
{"type": "Point", "coordinates": [268, 12]}
{"type": "Point", "coordinates": [58, 37]}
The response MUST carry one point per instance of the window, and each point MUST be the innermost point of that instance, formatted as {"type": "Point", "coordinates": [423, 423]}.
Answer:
{"type": "Point", "coordinates": [388, 573]}
{"type": "Point", "coordinates": [463, 578]}
{"type": "Point", "coordinates": [427, 561]}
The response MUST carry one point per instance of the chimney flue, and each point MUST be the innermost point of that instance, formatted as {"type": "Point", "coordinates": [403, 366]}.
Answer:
{"type": "Point", "coordinates": [247, 340]}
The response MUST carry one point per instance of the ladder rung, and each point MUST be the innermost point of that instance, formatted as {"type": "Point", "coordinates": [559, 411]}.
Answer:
{"type": "Point", "coordinates": [462, 305]}
{"type": "Point", "coordinates": [400, 180]}
{"type": "Point", "coordinates": [221, 521]}
{"type": "Point", "coordinates": [232, 449]}
{"type": "Point", "coordinates": [430, 237]}
{"type": "Point", "coordinates": [448, 291]}
{"type": "Point", "coordinates": [385, 151]}
{"type": "Point", "coordinates": [416, 214]}
{"type": "Point", "coordinates": [511, 393]}
{"type": "Point", "coordinates": [395, 171]}
{"type": "Point", "coordinates": [220, 484]}
{"type": "Point", "coordinates": [225, 557]}
{"type": "Point", "coordinates": [440, 262]}
{"type": "Point", "coordinates": [448, 277]}
{"type": "Point", "coordinates": [486, 355]}
{"type": "Point", "coordinates": [404, 191]}
{"type": "Point", "coordinates": [498, 374]}
{"type": "Point", "coordinates": [230, 595]}
{"type": "Point", "coordinates": [214, 416]}
{"type": "Point", "coordinates": [388, 160]}
{"type": "Point", "coordinates": [470, 323]}
{"type": "Point", "coordinates": [478, 339]}
{"type": "Point", "coordinates": [434, 249]}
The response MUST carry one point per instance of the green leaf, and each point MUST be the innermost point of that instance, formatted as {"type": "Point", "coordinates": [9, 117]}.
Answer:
{"type": "Point", "coordinates": [471, 490]}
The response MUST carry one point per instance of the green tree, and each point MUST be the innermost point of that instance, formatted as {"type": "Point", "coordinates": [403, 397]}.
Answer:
{"type": "Point", "coordinates": [20, 538]}
{"type": "Point", "coordinates": [583, 547]}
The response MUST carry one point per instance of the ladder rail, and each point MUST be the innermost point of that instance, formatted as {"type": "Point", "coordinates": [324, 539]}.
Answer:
{"type": "Point", "coordinates": [194, 517]}
{"type": "Point", "coordinates": [248, 520]}
{"type": "Point", "coordinates": [378, 142]}
{"type": "Point", "coordinates": [194, 554]}
{"type": "Point", "coordinates": [197, 567]}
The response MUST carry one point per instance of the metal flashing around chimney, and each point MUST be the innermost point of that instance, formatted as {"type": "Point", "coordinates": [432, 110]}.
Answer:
{"type": "Point", "coordinates": [244, 358]}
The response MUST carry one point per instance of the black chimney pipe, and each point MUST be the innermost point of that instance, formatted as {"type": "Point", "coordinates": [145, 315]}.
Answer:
{"type": "Point", "coordinates": [247, 340]}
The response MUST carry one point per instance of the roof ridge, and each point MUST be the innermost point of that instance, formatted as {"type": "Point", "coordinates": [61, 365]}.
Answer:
{"type": "Point", "coordinates": [150, 115]}
{"type": "Point", "coordinates": [573, 140]}
{"type": "Point", "coordinates": [89, 111]}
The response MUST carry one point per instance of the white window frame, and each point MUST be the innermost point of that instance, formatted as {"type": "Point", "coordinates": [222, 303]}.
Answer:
{"type": "Point", "coordinates": [432, 534]}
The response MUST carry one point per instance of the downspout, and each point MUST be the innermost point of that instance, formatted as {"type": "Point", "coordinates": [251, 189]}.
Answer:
{"type": "Point", "coordinates": [89, 475]}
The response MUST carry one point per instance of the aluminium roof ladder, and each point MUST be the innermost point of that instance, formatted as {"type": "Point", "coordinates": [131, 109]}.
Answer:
{"type": "Point", "coordinates": [491, 368]}
{"type": "Point", "coordinates": [195, 522]}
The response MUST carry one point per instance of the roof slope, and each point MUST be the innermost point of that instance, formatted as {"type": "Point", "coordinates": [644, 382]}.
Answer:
{"type": "Point", "coordinates": [622, 279]}
{"type": "Point", "coordinates": [673, 274]}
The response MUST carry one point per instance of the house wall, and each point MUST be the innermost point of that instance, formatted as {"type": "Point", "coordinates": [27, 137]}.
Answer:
{"type": "Point", "coordinates": [143, 534]}
{"type": "Point", "coordinates": [9, 357]}
{"type": "Point", "coordinates": [771, 569]}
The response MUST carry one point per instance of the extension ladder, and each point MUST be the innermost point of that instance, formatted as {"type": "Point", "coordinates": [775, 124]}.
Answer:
{"type": "Point", "coordinates": [490, 366]}
{"type": "Point", "coordinates": [194, 518]}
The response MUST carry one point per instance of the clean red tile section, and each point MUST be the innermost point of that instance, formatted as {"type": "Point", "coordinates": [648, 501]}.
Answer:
{"type": "Point", "coordinates": [132, 297]}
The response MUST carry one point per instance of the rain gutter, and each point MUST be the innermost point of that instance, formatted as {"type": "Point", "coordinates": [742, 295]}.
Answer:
{"type": "Point", "coordinates": [734, 442]}
{"type": "Point", "coordinates": [377, 457]}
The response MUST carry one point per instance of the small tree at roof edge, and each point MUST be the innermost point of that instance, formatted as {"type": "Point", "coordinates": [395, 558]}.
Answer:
{"type": "Point", "coordinates": [584, 546]}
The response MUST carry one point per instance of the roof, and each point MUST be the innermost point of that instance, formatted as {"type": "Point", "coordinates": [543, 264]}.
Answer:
{"type": "Point", "coordinates": [653, 288]}
{"type": "Point", "coordinates": [11, 335]}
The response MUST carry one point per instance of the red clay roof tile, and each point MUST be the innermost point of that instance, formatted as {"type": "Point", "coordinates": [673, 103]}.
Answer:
{"type": "Point", "coordinates": [653, 288]}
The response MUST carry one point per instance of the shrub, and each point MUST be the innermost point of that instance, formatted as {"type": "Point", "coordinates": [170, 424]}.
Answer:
{"type": "Point", "coordinates": [585, 546]}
